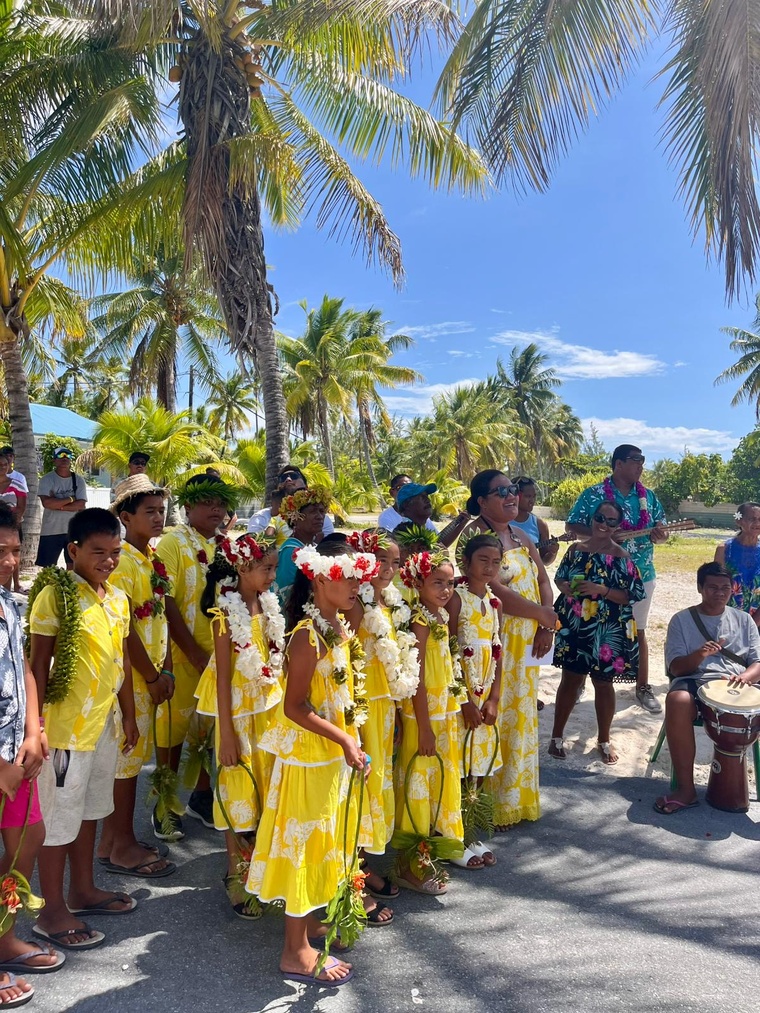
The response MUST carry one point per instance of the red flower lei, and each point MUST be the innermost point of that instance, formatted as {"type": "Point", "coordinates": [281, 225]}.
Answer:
{"type": "Point", "coordinates": [161, 587]}
{"type": "Point", "coordinates": [645, 518]}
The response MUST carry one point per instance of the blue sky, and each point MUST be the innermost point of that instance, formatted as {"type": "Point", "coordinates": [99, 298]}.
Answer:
{"type": "Point", "coordinates": [601, 271]}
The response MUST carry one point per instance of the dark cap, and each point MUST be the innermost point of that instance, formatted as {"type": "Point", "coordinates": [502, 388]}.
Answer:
{"type": "Point", "coordinates": [7, 449]}
{"type": "Point", "coordinates": [139, 455]}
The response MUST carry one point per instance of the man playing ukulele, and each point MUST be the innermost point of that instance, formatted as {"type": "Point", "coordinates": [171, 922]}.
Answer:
{"type": "Point", "coordinates": [641, 511]}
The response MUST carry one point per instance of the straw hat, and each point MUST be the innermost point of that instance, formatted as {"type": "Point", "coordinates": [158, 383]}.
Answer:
{"type": "Point", "coordinates": [133, 486]}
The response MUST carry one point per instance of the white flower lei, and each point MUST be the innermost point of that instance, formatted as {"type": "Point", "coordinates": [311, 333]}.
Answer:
{"type": "Point", "coordinates": [468, 648]}
{"type": "Point", "coordinates": [198, 549]}
{"type": "Point", "coordinates": [398, 656]}
{"type": "Point", "coordinates": [250, 661]}
{"type": "Point", "coordinates": [438, 626]}
{"type": "Point", "coordinates": [356, 711]}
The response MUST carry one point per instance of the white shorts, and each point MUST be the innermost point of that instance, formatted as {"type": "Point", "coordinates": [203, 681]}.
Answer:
{"type": "Point", "coordinates": [84, 791]}
{"type": "Point", "coordinates": [641, 608]}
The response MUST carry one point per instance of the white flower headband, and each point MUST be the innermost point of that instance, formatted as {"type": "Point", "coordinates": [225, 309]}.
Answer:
{"type": "Point", "coordinates": [361, 565]}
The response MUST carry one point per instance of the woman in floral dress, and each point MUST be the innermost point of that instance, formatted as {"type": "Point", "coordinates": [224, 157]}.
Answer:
{"type": "Point", "coordinates": [598, 583]}
{"type": "Point", "coordinates": [741, 554]}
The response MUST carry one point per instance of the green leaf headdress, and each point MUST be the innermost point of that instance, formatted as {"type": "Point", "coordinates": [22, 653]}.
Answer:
{"type": "Point", "coordinates": [408, 534]}
{"type": "Point", "coordinates": [206, 490]}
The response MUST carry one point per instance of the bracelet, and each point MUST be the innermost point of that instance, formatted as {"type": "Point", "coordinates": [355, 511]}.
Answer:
{"type": "Point", "coordinates": [165, 671]}
{"type": "Point", "coordinates": [42, 724]}
{"type": "Point", "coordinates": [151, 681]}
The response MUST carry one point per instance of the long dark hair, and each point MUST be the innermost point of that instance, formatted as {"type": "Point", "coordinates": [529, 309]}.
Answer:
{"type": "Point", "coordinates": [479, 489]}
{"type": "Point", "coordinates": [300, 589]}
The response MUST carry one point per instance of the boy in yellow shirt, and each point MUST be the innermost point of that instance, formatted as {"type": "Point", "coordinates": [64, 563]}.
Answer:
{"type": "Point", "coordinates": [187, 551]}
{"type": "Point", "coordinates": [142, 576]}
{"type": "Point", "coordinates": [82, 724]}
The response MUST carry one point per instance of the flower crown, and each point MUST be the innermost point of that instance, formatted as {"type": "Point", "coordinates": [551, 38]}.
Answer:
{"type": "Point", "coordinates": [205, 492]}
{"type": "Point", "coordinates": [371, 540]}
{"type": "Point", "coordinates": [363, 566]}
{"type": "Point", "coordinates": [292, 505]}
{"type": "Point", "coordinates": [416, 534]}
{"type": "Point", "coordinates": [245, 549]}
{"type": "Point", "coordinates": [420, 565]}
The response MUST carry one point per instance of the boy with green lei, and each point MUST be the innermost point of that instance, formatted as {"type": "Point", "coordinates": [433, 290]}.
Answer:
{"type": "Point", "coordinates": [142, 576]}
{"type": "Point", "coordinates": [83, 622]}
{"type": "Point", "coordinates": [187, 551]}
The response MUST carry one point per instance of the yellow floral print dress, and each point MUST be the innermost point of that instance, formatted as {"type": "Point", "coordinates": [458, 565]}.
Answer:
{"type": "Point", "coordinates": [299, 856]}
{"type": "Point", "coordinates": [377, 736]}
{"type": "Point", "coordinates": [515, 785]}
{"type": "Point", "coordinates": [253, 706]}
{"type": "Point", "coordinates": [425, 780]}
{"type": "Point", "coordinates": [476, 629]}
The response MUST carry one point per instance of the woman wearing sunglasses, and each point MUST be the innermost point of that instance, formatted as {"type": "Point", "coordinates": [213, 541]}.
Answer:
{"type": "Point", "coordinates": [598, 583]}
{"type": "Point", "coordinates": [524, 589]}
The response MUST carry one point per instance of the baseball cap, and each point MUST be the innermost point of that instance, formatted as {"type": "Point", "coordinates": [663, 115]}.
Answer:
{"type": "Point", "coordinates": [7, 449]}
{"type": "Point", "coordinates": [412, 489]}
{"type": "Point", "coordinates": [139, 455]}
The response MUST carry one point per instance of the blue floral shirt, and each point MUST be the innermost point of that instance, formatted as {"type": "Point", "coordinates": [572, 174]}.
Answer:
{"type": "Point", "coordinates": [12, 684]}
{"type": "Point", "coordinates": [640, 550]}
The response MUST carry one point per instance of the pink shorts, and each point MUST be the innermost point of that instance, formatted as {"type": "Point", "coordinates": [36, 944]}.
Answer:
{"type": "Point", "coordinates": [14, 813]}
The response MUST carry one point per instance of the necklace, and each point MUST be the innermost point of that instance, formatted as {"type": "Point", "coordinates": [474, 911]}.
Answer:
{"type": "Point", "coordinates": [437, 625]}
{"type": "Point", "coordinates": [200, 553]}
{"type": "Point", "coordinates": [249, 658]}
{"type": "Point", "coordinates": [394, 647]}
{"type": "Point", "coordinates": [477, 679]}
{"type": "Point", "coordinates": [645, 518]}
{"type": "Point", "coordinates": [356, 710]}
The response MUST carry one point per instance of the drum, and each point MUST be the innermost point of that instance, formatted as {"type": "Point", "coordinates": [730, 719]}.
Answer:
{"type": "Point", "coordinates": [731, 716]}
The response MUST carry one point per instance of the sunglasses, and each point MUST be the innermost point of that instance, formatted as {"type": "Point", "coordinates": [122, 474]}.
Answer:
{"type": "Point", "coordinates": [502, 491]}
{"type": "Point", "coordinates": [638, 458]}
{"type": "Point", "coordinates": [611, 522]}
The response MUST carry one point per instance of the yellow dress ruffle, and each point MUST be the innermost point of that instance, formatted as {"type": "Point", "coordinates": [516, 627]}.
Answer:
{"type": "Point", "coordinates": [425, 779]}
{"type": "Point", "coordinates": [299, 857]}
{"type": "Point", "coordinates": [479, 750]}
{"type": "Point", "coordinates": [515, 785]}
{"type": "Point", "coordinates": [253, 705]}
{"type": "Point", "coordinates": [377, 740]}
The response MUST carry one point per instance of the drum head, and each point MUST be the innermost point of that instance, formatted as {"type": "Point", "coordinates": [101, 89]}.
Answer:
{"type": "Point", "coordinates": [734, 699]}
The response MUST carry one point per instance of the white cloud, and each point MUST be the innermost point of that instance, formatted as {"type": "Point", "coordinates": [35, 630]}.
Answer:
{"type": "Point", "coordinates": [660, 441]}
{"type": "Point", "coordinates": [433, 331]}
{"type": "Point", "coordinates": [458, 353]}
{"type": "Point", "coordinates": [579, 362]}
{"type": "Point", "coordinates": [419, 400]}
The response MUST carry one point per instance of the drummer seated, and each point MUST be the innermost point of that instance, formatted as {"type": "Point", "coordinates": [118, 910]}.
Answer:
{"type": "Point", "coordinates": [694, 660]}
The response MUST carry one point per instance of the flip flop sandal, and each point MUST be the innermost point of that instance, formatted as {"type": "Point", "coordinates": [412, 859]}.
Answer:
{"type": "Point", "coordinates": [606, 750]}
{"type": "Point", "coordinates": [241, 908]}
{"type": "Point", "coordinates": [387, 892]}
{"type": "Point", "coordinates": [427, 886]}
{"type": "Point", "coordinates": [94, 938]}
{"type": "Point", "coordinates": [462, 863]}
{"type": "Point", "coordinates": [679, 806]}
{"type": "Point", "coordinates": [482, 851]}
{"type": "Point", "coordinates": [123, 870]}
{"type": "Point", "coordinates": [22, 1000]}
{"type": "Point", "coordinates": [161, 850]}
{"type": "Point", "coordinates": [311, 979]}
{"type": "Point", "coordinates": [559, 745]}
{"type": "Point", "coordinates": [103, 907]}
{"type": "Point", "coordinates": [374, 921]}
{"type": "Point", "coordinates": [19, 963]}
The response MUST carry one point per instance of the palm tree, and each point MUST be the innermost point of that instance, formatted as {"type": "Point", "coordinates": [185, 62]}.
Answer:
{"type": "Point", "coordinates": [231, 401]}
{"type": "Point", "coordinates": [262, 88]}
{"type": "Point", "coordinates": [168, 315]}
{"type": "Point", "coordinates": [747, 343]}
{"type": "Point", "coordinates": [527, 77]}
{"type": "Point", "coordinates": [73, 117]}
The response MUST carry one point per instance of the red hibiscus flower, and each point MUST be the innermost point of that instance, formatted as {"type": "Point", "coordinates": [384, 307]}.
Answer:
{"type": "Point", "coordinates": [160, 569]}
{"type": "Point", "coordinates": [158, 592]}
{"type": "Point", "coordinates": [496, 651]}
{"type": "Point", "coordinates": [494, 602]}
{"type": "Point", "coordinates": [266, 671]}
{"type": "Point", "coordinates": [468, 652]}
{"type": "Point", "coordinates": [335, 572]}
{"type": "Point", "coordinates": [202, 557]}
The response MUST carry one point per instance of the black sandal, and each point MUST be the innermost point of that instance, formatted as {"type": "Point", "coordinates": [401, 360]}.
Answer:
{"type": "Point", "coordinates": [245, 909]}
{"type": "Point", "coordinates": [373, 917]}
{"type": "Point", "coordinates": [388, 891]}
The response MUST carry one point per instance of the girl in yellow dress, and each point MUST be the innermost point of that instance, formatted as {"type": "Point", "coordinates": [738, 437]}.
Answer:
{"type": "Point", "coordinates": [381, 619]}
{"type": "Point", "coordinates": [299, 857]}
{"type": "Point", "coordinates": [429, 719]}
{"type": "Point", "coordinates": [239, 688]}
{"type": "Point", "coordinates": [475, 620]}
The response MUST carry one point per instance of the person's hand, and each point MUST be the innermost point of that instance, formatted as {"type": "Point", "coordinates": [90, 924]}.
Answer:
{"type": "Point", "coordinates": [742, 680]}
{"type": "Point", "coordinates": [542, 642]}
{"type": "Point", "coordinates": [162, 689]}
{"type": "Point", "coordinates": [44, 745]}
{"type": "Point", "coordinates": [489, 711]}
{"type": "Point", "coordinates": [131, 735]}
{"type": "Point", "coordinates": [30, 757]}
{"type": "Point", "coordinates": [353, 753]}
{"type": "Point", "coordinates": [200, 660]}
{"type": "Point", "coordinates": [398, 732]}
{"type": "Point", "coordinates": [426, 742]}
{"type": "Point", "coordinates": [709, 647]}
{"type": "Point", "coordinates": [658, 534]}
{"type": "Point", "coordinates": [589, 589]}
{"type": "Point", "coordinates": [229, 748]}
{"type": "Point", "coordinates": [547, 616]}
{"type": "Point", "coordinates": [471, 715]}
{"type": "Point", "coordinates": [11, 776]}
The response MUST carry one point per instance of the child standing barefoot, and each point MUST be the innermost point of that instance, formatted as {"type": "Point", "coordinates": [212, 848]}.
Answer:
{"type": "Point", "coordinates": [299, 857]}
{"type": "Point", "coordinates": [391, 673]}
{"type": "Point", "coordinates": [429, 718]}
{"type": "Point", "coordinates": [475, 619]}
{"type": "Point", "coordinates": [240, 687]}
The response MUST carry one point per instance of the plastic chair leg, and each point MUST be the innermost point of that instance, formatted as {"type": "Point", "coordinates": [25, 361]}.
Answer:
{"type": "Point", "coordinates": [658, 744]}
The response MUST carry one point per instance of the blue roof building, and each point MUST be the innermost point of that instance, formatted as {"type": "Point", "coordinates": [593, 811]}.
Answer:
{"type": "Point", "coordinates": [61, 421]}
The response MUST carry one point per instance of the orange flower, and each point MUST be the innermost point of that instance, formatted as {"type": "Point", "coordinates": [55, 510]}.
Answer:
{"type": "Point", "coordinates": [9, 894]}
{"type": "Point", "coordinates": [357, 881]}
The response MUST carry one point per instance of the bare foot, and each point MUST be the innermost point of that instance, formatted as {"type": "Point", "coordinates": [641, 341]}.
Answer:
{"type": "Point", "coordinates": [609, 754]}
{"type": "Point", "coordinates": [106, 898]}
{"type": "Point", "coordinates": [145, 860]}
{"type": "Point", "coordinates": [11, 948]}
{"type": "Point", "coordinates": [304, 961]}
{"type": "Point", "coordinates": [557, 749]}
{"type": "Point", "coordinates": [10, 992]}
{"type": "Point", "coordinates": [678, 798]}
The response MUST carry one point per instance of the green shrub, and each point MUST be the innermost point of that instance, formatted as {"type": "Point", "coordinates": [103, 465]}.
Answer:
{"type": "Point", "coordinates": [568, 491]}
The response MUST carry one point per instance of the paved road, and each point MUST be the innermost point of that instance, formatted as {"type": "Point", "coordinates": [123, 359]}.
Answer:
{"type": "Point", "coordinates": [600, 906]}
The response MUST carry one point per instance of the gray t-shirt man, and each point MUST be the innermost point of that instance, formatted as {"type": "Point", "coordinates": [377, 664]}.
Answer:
{"type": "Point", "coordinates": [737, 632]}
{"type": "Point", "coordinates": [56, 522]}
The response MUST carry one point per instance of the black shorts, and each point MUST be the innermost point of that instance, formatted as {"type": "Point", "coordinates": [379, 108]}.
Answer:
{"type": "Point", "coordinates": [691, 685]}
{"type": "Point", "coordinates": [50, 549]}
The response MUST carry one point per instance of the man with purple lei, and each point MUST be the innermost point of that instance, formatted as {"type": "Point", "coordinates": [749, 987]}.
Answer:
{"type": "Point", "coordinates": [642, 511]}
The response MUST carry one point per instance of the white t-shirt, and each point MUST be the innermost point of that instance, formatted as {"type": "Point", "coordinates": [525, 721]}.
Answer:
{"type": "Point", "coordinates": [736, 628]}
{"type": "Point", "coordinates": [390, 518]}
{"type": "Point", "coordinates": [56, 522]}
{"type": "Point", "coordinates": [19, 480]}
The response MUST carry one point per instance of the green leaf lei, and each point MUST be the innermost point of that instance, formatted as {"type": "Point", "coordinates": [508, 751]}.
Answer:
{"type": "Point", "coordinates": [67, 639]}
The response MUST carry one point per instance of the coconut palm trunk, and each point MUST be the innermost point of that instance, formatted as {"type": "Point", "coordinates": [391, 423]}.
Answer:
{"type": "Point", "coordinates": [324, 432]}
{"type": "Point", "coordinates": [22, 431]}
{"type": "Point", "coordinates": [225, 216]}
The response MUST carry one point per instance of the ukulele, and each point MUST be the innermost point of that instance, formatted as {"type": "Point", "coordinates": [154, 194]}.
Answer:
{"type": "Point", "coordinates": [684, 525]}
